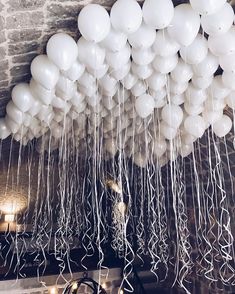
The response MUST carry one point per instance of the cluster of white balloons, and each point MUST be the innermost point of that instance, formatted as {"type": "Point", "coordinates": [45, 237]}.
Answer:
{"type": "Point", "coordinates": [133, 65]}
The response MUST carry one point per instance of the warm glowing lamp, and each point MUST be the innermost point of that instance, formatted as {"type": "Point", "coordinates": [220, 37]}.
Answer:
{"type": "Point", "coordinates": [54, 290]}
{"type": "Point", "coordinates": [12, 203]}
{"type": "Point", "coordinates": [9, 218]}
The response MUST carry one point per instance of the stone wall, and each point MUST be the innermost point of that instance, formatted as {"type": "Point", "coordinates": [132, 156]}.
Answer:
{"type": "Point", "coordinates": [34, 286]}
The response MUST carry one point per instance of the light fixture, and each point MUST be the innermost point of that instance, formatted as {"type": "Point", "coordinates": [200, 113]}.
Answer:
{"type": "Point", "coordinates": [9, 218]}
{"type": "Point", "coordinates": [53, 290]}
{"type": "Point", "coordinates": [12, 203]}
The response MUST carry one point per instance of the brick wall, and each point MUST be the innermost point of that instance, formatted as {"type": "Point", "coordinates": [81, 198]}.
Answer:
{"type": "Point", "coordinates": [34, 286]}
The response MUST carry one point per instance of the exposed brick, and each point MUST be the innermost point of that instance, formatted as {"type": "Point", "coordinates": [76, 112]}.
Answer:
{"type": "Point", "coordinates": [15, 5]}
{"type": "Point", "coordinates": [62, 11]}
{"type": "Point", "coordinates": [19, 70]}
{"type": "Point", "coordinates": [21, 48]}
{"type": "Point", "coordinates": [24, 35]}
{"type": "Point", "coordinates": [19, 79]}
{"type": "Point", "coordinates": [2, 53]}
{"type": "Point", "coordinates": [4, 84]}
{"type": "Point", "coordinates": [25, 20]}
{"type": "Point", "coordinates": [24, 58]}
{"type": "Point", "coordinates": [70, 23]}
{"type": "Point", "coordinates": [2, 37]}
{"type": "Point", "coordinates": [2, 23]}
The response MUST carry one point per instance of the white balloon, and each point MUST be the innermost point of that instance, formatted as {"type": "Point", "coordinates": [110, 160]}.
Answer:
{"type": "Point", "coordinates": [228, 78]}
{"type": "Point", "coordinates": [142, 71]}
{"type": "Point", "coordinates": [35, 108]}
{"type": "Point", "coordinates": [177, 88]}
{"type": "Point", "coordinates": [211, 117]}
{"type": "Point", "coordinates": [144, 37]}
{"type": "Point", "coordinates": [82, 106]}
{"type": "Point", "coordinates": [75, 71]}
{"type": "Point", "coordinates": [142, 56]}
{"type": "Point", "coordinates": [14, 113]}
{"type": "Point", "coordinates": [108, 102]}
{"type": "Point", "coordinates": [192, 109]}
{"type": "Point", "coordinates": [91, 54]}
{"type": "Point", "coordinates": [158, 14]}
{"type": "Point", "coordinates": [164, 45]}
{"type": "Point", "coordinates": [108, 83]}
{"type": "Point", "coordinates": [227, 62]}
{"type": "Point", "coordinates": [88, 91]}
{"type": "Point", "coordinates": [230, 100]}
{"type": "Point", "coordinates": [62, 50]}
{"type": "Point", "coordinates": [94, 22]}
{"type": "Point", "coordinates": [182, 73]}
{"type": "Point", "coordinates": [40, 93]}
{"type": "Point", "coordinates": [139, 88]}
{"type": "Point", "coordinates": [99, 72]}
{"type": "Point", "coordinates": [4, 130]}
{"type": "Point", "coordinates": [158, 95]}
{"type": "Point", "coordinates": [129, 81]}
{"type": "Point", "coordinates": [44, 71]}
{"type": "Point", "coordinates": [118, 59]}
{"type": "Point", "coordinates": [187, 138]}
{"type": "Point", "coordinates": [214, 104]}
{"type": "Point", "coordinates": [217, 89]}
{"type": "Point", "coordinates": [165, 64]}
{"type": "Point", "coordinates": [202, 82]}
{"type": "Point", "coordinates": [115, 41]}
{"type": "Point", "coordinates": [195, 96]}
{"type": "Point", "coordinates": [121, 72]}
{"type": "Point", "coordinates": [207, 67]}
{"type": "Point", "coordinates": [160, 102]}
{"type": "Point", "coordinates": [223, 44]}
{"type": "Point", "coordinates": [167, 131]}
{"type": "Point", "coordinates": [177, 99]}
{"type": "Point", "coordinates": [195, 125]}
{"type": "Point", "coordinates": [87, 80]}
{"type": "Point", "coordinates": [140, 160]}
{"type": "Point", "coordinates": [126, 16]}
{"type": "Point", "coordinates": [111, 146]}
{"type": "Point", "coordinates": [219, 22]}
{"type": "Point", "coordinates": [185, 25]}
{"type": "Point", "coordinates": [144, 105]}
{"type": "Point", "coordinates": [11, 125]}
{"type": "Point", "coordinates": [22, 96]}
{"type": "Point", "coordinates": [65, 88]}
{"type": "Point", "coordinates": [156, 81]}
{"type": "Point", "coordinates": [58, 102]}
{"type": "Point", "coordinates": [207, 7]}
{"type": "Point", "coordinates": [185, 150]}
{"type": "Point", "coordinates": [195, 52]}
{"type": "Point", "coordinates": [159, 146]}
{"type": "Point", "coordinates": [93, 100]}
{"type": "Point", "coordinates": [222, 126]}
{"type": "Point", "coordinates": [172, 115]}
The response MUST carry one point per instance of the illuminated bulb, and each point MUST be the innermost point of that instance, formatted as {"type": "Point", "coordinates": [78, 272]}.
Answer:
{"type": "Point", "coordinates": [121, 292]}
{"type": "Point", "coordinates": [75, 286]}
{"type": "Point", "coordinates": [9, 218]}
{"type": "Point", "coordinates": [12, 203]}
{"type": "Point", "coordinates": [53, 290]}
{"type": "Point", "coordinates": [104, 286]}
